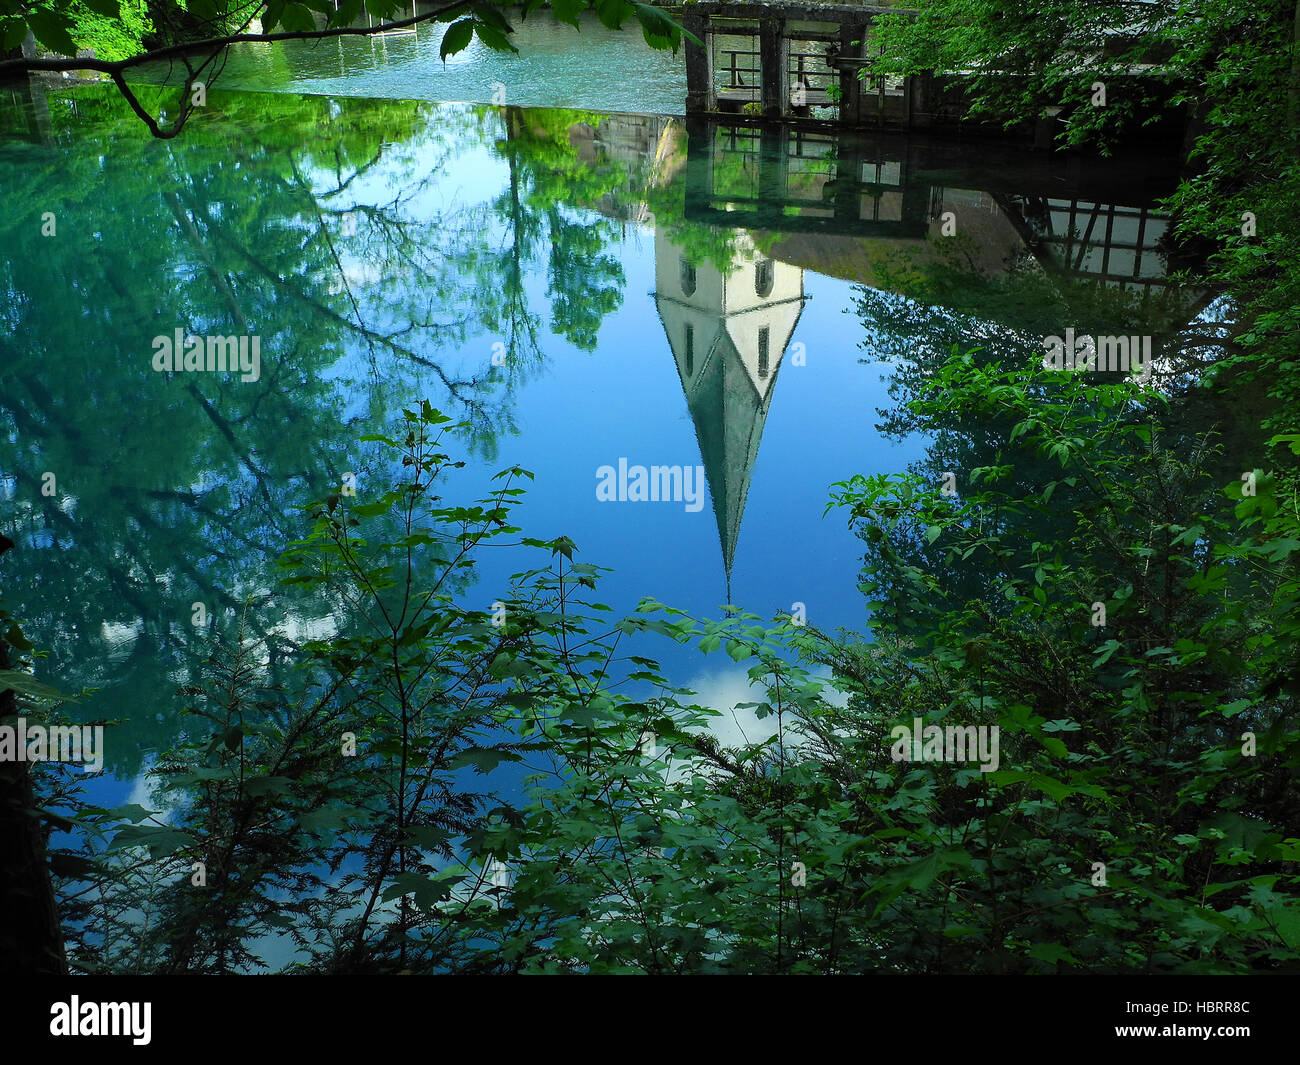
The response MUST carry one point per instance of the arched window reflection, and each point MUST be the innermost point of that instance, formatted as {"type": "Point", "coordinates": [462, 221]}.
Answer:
{"type": "Point", "coordinates": [688, 279]}
{"type": "Point", "coordinates": [763, 278]}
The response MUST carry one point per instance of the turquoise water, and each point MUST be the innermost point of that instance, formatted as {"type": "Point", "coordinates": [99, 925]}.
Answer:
{"type": "Point", "coordinates": [556, 66]}
{"type": "Point", "coordinates": [581, 289]}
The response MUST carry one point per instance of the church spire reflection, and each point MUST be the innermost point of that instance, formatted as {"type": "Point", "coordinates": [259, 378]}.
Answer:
{"type": "Point", "coordinates": [728, 331]}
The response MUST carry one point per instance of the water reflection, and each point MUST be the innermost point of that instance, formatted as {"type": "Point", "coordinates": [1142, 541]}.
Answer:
{"type": "Point", "coordinates": [908, 219]}
{"type": "Point", "coordinates": [384, 251]}
{"type": "Point", "coordinates": [1093, 220]}
{"type": "Point", "coordinates": [728, 329]}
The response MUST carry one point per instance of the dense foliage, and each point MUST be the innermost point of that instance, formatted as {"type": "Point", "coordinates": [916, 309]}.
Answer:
{"type": "Point", "coordinates": [376, 811]}
{"type": "Point", "coordinates": [1234, 71]}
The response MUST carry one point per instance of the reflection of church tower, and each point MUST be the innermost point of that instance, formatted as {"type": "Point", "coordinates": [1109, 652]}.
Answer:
{"type": "Point", "coordinates": [728, 333]}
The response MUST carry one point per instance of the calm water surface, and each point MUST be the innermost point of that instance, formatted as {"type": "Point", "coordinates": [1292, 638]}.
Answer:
{"type": "Point", "coordinates": [557, 65]}
{"type": "Point", "coordinates": [653, 294]}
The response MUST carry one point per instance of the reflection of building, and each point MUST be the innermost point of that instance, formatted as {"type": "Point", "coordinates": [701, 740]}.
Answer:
{"type": "Point", "coordinates": [1121, 245]}
{"type": "Point", "coordinates": [795, 180]}
{"type": "Point", "coordinates": [646, 146]}
{"type": "Point", "coordinates": [728, 332]}
{"type": "Point", "coordinates": [874, 210]}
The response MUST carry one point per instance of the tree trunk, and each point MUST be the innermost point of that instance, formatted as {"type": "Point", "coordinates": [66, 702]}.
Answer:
{"type": "Point", "coordinates": [31, 940]}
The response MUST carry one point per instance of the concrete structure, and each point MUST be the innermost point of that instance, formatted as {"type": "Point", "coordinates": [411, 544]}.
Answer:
{"type": "Point", "coordinates": [787, 59]}
{"type": "Point", "coordinates": [804, 60]}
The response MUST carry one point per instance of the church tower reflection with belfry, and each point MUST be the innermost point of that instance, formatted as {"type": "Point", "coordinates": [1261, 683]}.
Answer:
{"type": "Point", "coordinates": [728, 331]}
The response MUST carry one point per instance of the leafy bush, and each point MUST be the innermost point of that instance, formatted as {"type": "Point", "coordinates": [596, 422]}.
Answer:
{"type": "Point", "coordinates": [509, 808]}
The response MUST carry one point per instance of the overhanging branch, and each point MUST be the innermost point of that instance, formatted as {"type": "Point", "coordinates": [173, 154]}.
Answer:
{"type": "Point", "coordinates": [11, 67]}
